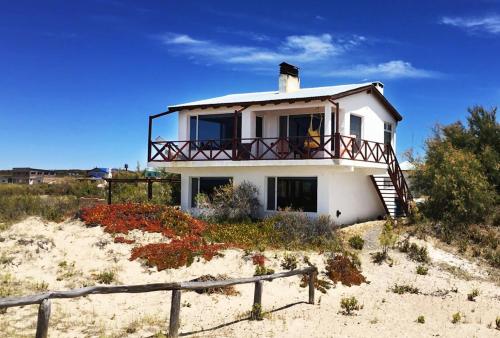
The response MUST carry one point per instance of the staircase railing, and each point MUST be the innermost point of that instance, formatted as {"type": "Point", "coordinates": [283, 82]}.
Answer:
{"type": "Point", "coordinates": [398, 179]}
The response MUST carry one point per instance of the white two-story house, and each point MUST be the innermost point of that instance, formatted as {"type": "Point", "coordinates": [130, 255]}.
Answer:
{"type": "Point", "coordinates": [325, 150]}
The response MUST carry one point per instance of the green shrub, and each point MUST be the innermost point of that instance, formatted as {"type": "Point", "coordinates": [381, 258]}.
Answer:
{"type": "Point", "coordinates": [471, 296]}
{"type": "Point", "coordinates": [497, 322]}
{"type": "Point", "coordinates": [14, 208]}
{"type": "Point", "coordinates": [456, 318]}
{"type": "Point", "coordinates": [356, 242]}
{"type": "Point", "coordinates": [421, 319]}
{"type": "Point", "coordinates": [418, 254]}
{"type": "Point", "coordinates": [239, 203]}
{"type": "Point", "coordinates": [261, 270]}
{"type": "Point", "coordinates": [387, 237]}
{"type": "Point", "coordinates": [422, 270]}
{"type": "Point", "coordinates": [349, 305]}
{"type": "Point", "coordinates": [297, 229]}
{"type": "Point", "coordinates": [105, 277]}
{"type": "Point", "coordinates": [289, 262]}
{"type": "Point", "coordinates": [404, 288]}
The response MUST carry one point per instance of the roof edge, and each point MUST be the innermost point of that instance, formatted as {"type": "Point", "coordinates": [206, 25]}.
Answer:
{"type": "Point", "coordinates": [369, 88]}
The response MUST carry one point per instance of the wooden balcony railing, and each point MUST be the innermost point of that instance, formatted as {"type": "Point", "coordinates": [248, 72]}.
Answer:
{"type": "Point", "coordinates": [270, 148]}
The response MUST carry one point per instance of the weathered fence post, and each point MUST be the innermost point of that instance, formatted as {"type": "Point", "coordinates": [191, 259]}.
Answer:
{"type": "Point", "coordinates": [150, 190]}
{"type": "Point", "coordinates": [257, 302]}
{"type": "Point", "coordinates": [175, 309]}
{"type": "Point", "coordinates": [42, 325]}
{"type": "Point", "coordinates": [312, 279]}
{"type": "Point", "coordinates": [109, 192]}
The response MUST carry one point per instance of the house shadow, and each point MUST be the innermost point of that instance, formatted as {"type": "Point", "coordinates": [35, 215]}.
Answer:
{"type": "Point", "coordinates": [220, 326]}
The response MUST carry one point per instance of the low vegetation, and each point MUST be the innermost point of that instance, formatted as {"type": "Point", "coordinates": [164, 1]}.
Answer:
{"type": "Point", "coordinates": [289, 262]}
{"type": "Point", "coordinates": [340, 268]}
{"type": "Point", "coordinates": [226, 290]}
{"type": "Point", "coordinates": [421, 319]}
{"type": "Point", "coordinates": [422, 270]}
{"type": "Point", "coordinates": [401, 289]}
{"type": "Point", "coordinates": [105, 277]}
{"type": "Point", "coordinates": [471, 296]}
{"type": "Point", "coordinates": [356, 242]}
{"type": "Point", "coordinates": [349, 305]}
{"type": "Point", "coordinates": [456, 318]}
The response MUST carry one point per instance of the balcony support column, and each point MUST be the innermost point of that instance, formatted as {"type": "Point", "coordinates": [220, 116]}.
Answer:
{"type": "Point", "coordinates": [328, 126]}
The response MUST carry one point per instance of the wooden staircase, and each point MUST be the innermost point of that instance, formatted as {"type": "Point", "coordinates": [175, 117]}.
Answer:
{"type": "Point", "coordinates": [392, 187]}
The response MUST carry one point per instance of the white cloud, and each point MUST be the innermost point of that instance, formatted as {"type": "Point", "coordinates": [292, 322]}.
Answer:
{"type": "Point", "coordinates": [322, 50]}
{"type": "Point", "coordinates": [488, 23]}
{"type": "Point", "coordinates": [388, 70]}
{"type": "Point", "coordinates": [295, 48]}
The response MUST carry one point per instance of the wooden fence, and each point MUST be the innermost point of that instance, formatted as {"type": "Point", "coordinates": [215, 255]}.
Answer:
{"type": "Point", "coordinates": [43, 299]}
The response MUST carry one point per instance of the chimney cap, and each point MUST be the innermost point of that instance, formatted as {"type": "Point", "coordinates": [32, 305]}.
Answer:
{"type": "Point", "coordinates": [286, 68]}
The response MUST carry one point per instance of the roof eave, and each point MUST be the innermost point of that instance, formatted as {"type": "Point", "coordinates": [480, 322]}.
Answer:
{"type": "Point", "coordinates": [370, 88]}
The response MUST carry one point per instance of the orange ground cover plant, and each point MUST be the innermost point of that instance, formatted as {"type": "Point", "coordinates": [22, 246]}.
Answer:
{"type": "Point", "coordinates": [184, 231]}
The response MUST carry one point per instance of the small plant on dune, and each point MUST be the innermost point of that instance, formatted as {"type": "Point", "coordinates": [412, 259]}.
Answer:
{"type": "Point", "coordinates": [340, 268]}
{"type": "Point", "coordinates": [404, 288]}
{"type": "Point", "coordinates": [349, 305]}
{"type": "Point", "coordinates": [105, 277]}
{"type": "Point", "coordinates": [471, 296]}
{"type": "Point", "coordinates": [497, 323]}
{"type": "Point", "coordinates": [356, 242]}
{"type": "Point", "coordinates": [256, 313]}
{"type": "Point", "coordinates": [421, 319]}
{"type": "Point", "coordinates": [289, 262]}
{"type": "Point", "coordinates": [418, 254]}
{"type": "Point", "coordinates": [259, 261]}
{"type": "Point", "coordinates": [387, 237]}
{"type": "Point", "coordinates": [456, 318]}
{"type": "Point", "coordinates": [422, 270]}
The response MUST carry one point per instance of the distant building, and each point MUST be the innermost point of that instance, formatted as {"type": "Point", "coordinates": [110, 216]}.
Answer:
{"type": "Point", "coordinates": [98, 173]}
{"type": "Point", "coordinates": [31, 175]}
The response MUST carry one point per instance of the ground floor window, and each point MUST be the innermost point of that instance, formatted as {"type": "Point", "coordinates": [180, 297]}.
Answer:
{"type": "Point", "coordinates": [206, 185]}
{"type": "Point", "coordinates": [297, 193]}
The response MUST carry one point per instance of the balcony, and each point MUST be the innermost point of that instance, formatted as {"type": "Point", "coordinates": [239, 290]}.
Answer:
{"type": "Point", "coordinates": [275, 148]}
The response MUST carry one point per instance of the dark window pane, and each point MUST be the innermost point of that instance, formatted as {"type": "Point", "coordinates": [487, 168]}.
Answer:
{"type": "Point", "coordinates": [194, 191]}
{"type": "Point", "coordinates": [283, 126]}
{"type": "Point", "coordinates": [387, 137]}
{"type": "Point", "coordinates": [356, 126]}
{"type": "Point", "coordinates": [208, 184]}
{"type": "Point", "coordinates": [298, 193]}
{"type": "Point", "coordinates": [258, 126]}
{"type": "Point", "coordinates": [271, 196]}
{"type": "Point", "coordinates": [192, 128]}
{"type": "Point", "coordinates": [219, 129]}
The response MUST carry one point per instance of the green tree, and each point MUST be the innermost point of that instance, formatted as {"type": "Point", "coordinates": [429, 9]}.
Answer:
{"type": "Point", "coordinates": [459, 174]}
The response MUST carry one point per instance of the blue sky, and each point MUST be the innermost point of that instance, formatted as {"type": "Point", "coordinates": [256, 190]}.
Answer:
{"type": "Point", "coordinates": [79, 78]}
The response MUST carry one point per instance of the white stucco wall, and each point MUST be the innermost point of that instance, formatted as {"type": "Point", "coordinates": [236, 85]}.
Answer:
{"type": "Point", "coordinates": [347, 190]}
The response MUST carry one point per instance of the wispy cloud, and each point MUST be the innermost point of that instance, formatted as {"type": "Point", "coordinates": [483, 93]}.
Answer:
{"type": "Point", "coordinates": [388, 70]}
{"type": "Point", "coordinates": [295, 48]}
{"type": "Point", "coordinates": [488, 23]}
{"type": "Point", "coordinates": [323, 51]}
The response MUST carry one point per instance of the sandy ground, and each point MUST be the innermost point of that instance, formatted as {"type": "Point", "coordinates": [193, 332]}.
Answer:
{"type": "Point", "coordinates": [69, 255]}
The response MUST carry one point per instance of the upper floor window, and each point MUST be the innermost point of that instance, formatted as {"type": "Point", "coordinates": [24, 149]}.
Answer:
{"type": "Point", "coordinates": [218, 129]}
{"type": "Point", "coordinates": [355, 126]}
{"type": "Point", "coordinates": [388, 133]}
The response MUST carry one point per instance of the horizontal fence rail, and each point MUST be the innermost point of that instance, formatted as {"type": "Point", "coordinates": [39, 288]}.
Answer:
{"type": "Point", "coordinates": [43, 299]}
{"type": "Point", "coordinates": [270, 148]}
